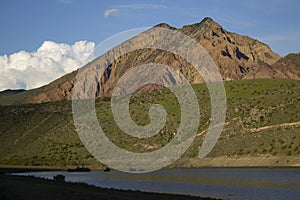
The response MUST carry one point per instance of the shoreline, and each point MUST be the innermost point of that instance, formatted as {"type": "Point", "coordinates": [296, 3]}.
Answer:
{"type": "Point", "coordinates": [30, 188]}
{"type": "Point", "coordinates": [14, 186]}
{"type": "Point", "coordinates": [7, 169]}
{"type": "Point", "coordinates": [262, 161]}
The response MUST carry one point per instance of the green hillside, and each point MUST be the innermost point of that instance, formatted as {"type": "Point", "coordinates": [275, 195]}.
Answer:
{"type": "Point", "coordinates": [263, 119]}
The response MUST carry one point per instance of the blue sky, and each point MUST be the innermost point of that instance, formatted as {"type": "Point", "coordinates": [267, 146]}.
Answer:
{"type": "Point", "coordinates": [26, 24]}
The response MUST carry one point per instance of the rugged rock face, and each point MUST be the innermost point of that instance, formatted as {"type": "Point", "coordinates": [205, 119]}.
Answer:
{"type": "Point", "coordinates": [236, 56]}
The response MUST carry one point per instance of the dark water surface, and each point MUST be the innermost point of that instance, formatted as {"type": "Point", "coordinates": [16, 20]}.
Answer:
{"type": "Point", "coordinates": [225, 183]}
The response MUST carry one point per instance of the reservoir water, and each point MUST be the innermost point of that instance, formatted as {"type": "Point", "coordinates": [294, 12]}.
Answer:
{"type": "Point", "coordinates": [225, 183]}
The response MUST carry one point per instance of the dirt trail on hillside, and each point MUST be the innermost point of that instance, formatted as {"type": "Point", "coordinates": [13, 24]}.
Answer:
{"type": "Point", "coordinates": [252, 130]}
{"type": "Point", "coordinates": [274, 126]}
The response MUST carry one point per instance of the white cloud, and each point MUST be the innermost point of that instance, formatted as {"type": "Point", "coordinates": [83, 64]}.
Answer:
{"type": "Point", "coordinates": [137, 6]}
{"type": "Point", "coordinates": [143, 6]}
{"type": "Point", "coordinates": [52, 60]}
{"type": "Point", "coordinates": [110, 11]}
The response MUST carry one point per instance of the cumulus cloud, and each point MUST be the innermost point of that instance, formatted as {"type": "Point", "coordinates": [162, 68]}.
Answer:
{"type": "Point", "coordinates": [110, 11]}
{"type": "Point", "coordinates": [52, 60]}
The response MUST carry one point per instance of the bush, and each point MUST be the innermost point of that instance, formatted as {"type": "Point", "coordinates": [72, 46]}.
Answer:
{"type": "Point", "coordinates": [59, 178]}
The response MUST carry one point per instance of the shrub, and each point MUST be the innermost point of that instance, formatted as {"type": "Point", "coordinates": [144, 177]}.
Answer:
{"type": "Point", "coordinates": [59, 178]}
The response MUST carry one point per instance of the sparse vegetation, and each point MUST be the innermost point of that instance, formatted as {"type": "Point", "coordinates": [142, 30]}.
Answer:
{"type": "Point", "coordinates": [261, 119]}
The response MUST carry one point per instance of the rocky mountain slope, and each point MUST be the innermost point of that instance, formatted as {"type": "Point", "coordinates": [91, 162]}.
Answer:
{"type": "Point", "coordinates": [236, 56]}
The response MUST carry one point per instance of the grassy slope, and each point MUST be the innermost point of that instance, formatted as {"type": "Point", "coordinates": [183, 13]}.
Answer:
{"type": "Point", "coordinates": [262, 119]}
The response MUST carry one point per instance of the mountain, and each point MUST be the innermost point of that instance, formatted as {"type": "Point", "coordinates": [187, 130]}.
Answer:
{"type": "Point", "coordinates": [262, 120]}
{"type": "Point", "coordinates": [236, 56]}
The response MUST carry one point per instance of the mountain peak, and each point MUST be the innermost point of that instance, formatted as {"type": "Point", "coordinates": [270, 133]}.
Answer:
{"type": "Point", "coordinates": [206, 23]}
{"type": "Point", "coordinates": [164, 25]}
{"type": "Point", "coordinates": [207, 20]}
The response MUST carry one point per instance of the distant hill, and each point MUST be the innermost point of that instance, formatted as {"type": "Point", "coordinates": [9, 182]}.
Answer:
{"type": "Point", "coordinates": [237, 57]}
{"type": "Point", "coordinates": [10, 92]}
{"type": "Point", "coordinates": [288, 66]}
